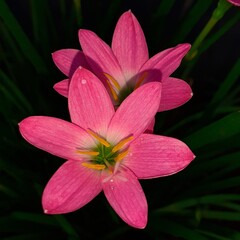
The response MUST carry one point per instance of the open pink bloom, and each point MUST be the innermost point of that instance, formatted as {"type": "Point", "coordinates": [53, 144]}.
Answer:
{"type": "Point", "coordinates": [235, 2]}
{"type": "Point", "coordinates": [126, 65]}
{"type": "Point", "coordinates": [105, 150]}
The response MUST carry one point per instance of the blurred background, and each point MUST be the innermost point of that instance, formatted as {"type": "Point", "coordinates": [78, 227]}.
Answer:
{"type": "Point", "coordinates": [203, 201]}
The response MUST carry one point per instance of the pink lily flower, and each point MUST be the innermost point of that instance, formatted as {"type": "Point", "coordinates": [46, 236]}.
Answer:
{"type": "Point", "coordinates": [126, 65]}
{"type": "Point", "coordinates": [105, 150]}
{"type": "Point", "coordinates": [235, 2]}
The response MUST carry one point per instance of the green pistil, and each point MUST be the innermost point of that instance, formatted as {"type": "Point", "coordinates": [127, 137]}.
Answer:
{"type": "Point", "coordinates": [105, 157]}
{"type": "Point", "coordinates": [124, 93]}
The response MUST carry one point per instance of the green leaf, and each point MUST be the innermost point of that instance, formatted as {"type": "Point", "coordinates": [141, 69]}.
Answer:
{"type": "Point", "coordinates": [66, 226]}
{"type": "Point", "coordinates": [223, 90]}
{"type": "Point", "coordinates": [21, 38]}
{"type": "Point", "coordinates": [192, 17]}
{"type": "Point", "coordinates": [221, 215]}
{"type": "Point", "coordinates": [174, 229]}
{"type": "Point", "coordinates": [209, 199]}
{"type": "Point", "coordinates": [219, 130]}
{"type": "Point", "coordinates": [13, 93]}
{"type": "Point", "coordinates": [34, 217]}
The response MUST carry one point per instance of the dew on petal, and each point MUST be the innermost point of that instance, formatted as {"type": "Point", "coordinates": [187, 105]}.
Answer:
{"type": "Point", "coordinates": [84, 81]}
{"type": "Point", "coordinates": [111, 180]}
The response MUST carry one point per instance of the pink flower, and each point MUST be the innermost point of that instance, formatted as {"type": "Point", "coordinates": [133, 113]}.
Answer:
{"type": "Point", "coordinates": [105, 150]}
{"type": "Point", "coordinates": [126, 66]}
{"type": "Point", "coordinates": [235, 2]}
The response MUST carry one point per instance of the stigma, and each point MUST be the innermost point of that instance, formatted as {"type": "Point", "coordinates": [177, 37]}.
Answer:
{"type": "Point", "coordinates": [105, 156]}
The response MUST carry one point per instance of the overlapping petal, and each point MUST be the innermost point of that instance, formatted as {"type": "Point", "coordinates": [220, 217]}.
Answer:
{"type": "Point", "coordinates": [235, 2]}
{"type": "Point", "coordinates": [56, 136]}
{"type": "Point", "coordinates": [129, 44]}
{"type": "Point", "coordinates": [89, 103]}
{"type": "Point", "coordinates": [175, 92]}
{"type": "Point", "coordinates": [100, 56]}
{"type": "Point", "coordinates": [62, 87]}
{"type": "Point", "coordinates": [164, 63]}
{"type": "Point", "coordinates": [125, 195]}
{"type": "Point", "coordinates": [70, 188]}
{"type": "Point", "coordinates": [153, 156]}
{"type": "Point", "coordinates": [68, 60]}
{"type": "Point", "coordinates": [135, 113]}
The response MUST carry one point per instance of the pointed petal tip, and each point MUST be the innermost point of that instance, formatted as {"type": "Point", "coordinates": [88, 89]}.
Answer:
{"type": "Point", "coordinates": [141, 225]}
{"type": "Point", "coordinates": [45, 211]}
{"type": "Point", "coordinates": [83, 31]}
{"type": "Point", "coordinates": [185, 46]}
{"type": "Point", "coordinates": [62, 87]}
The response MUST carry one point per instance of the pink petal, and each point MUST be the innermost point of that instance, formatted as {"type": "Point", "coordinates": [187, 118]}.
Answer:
{"type": "Point", "coordinates": [175, 92]}
{"type": "Point", "coordinates": [89, 103]}
{"type": "Point", "coordinates": [100, 56]}
{"type": "Point", "coordinates": [135, 113]}
{"type": "Point", "coordinates": [55, 136]}
{"type": "Point", "coordinates": [150, 127]}
{"type": "Point", "coordinates": [70, 188]}
{"type": "Point", "coordinates": [163, 64]}
{"type": "Point", "coordinates": [152, 156]}
{"type": "Point", "coordinates": [125, 195]}
{"type": "Point", "coordinates": [129, 44]}
{"type": "Point", "coordinates": [62, 87]}
{"type": "Point", "coordinates": [68, 60]}
{"type": "Point", "coordinates": [235, 2]}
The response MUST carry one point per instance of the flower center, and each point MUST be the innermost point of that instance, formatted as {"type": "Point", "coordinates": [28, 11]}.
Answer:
{"type": "Point", "coordinates": [104, 155]}
{"type": "Point", "coordinates": [120, 93]}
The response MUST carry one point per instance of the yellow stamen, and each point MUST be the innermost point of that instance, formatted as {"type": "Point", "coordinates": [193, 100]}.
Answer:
{"type": "Point", "coordinates": [94, 166]}
{"type": "Point", "coordinates": [113, 80]}
{"type": "Point", "coordinates": [140, 80]}
{"type": "Point", "coordinates": [120, 156]}
{"type": "Point", "coordinates": [121, 143]}
{"type": "Point", "coordinates": [90, 153]}
{"type": "Point", "coordinates": [113, 92]}
{"type": "Point", "coordinates": [100, 139]}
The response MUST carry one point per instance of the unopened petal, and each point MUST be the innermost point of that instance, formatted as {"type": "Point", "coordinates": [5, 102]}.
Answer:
{"type": "Point", "coordinates": [152, 156]}
{"type": "Point", "coordinates": [163, 64]}
{"type": "Point", "coordinates": [124, 193]}
{"type": "Point", "coordinates": [100, 56]}
{"type": "Point", "coordinates": [62, 87]}
{"type": "Point", "coordinates": [135, 113]}
{"type": "Point", "coordinates": [89, 103]}
{"type": "Point", "coordinates": [56, 136]}
{"type": "Point", "coordinates": [70, 188]}
{"type": "Point", "coordinates": [129, 44]}
{"type": "Point", "coordinates": [175, 92]}
{"type": "Point", "coordinates": [68, 60]}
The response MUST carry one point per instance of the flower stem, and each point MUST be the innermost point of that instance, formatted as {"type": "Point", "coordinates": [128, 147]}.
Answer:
{"type": "Point", "coordinates": [217, 15]}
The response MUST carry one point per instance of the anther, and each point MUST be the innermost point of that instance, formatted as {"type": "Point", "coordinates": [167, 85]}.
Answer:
{"type": "Point", "coordinates": [113, 92]}
{"type": "Point", "coordinates": [113, 80]}
{"type": "Point", "coordinates": [140, 80]}
{"type": "Point", "coordinates": [94, 166]}
{"type": "Point", "coordinates": [120, 156]}
{"type": "Point", "coordinates": [90, 153]}
{"type": "Point", "coordinates": [121, 144]}
{"type": "Point", "coordinates": [100, 139]}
